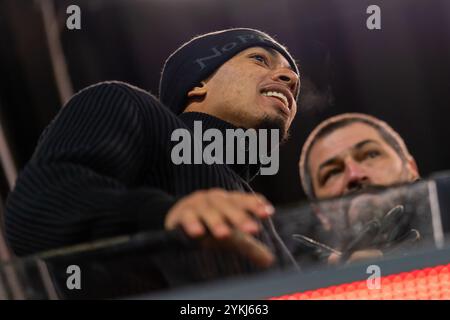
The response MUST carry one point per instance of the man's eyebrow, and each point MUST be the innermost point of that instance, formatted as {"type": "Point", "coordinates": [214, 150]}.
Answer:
{"type": "Point", "coordinates": [361, 144]}
{"type": "Point", "coordinates": [327, 163]}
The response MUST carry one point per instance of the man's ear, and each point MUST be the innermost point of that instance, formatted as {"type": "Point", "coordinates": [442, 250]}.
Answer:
{"type": "Point", "coordinates": [198, 92]}
{"type": "Point", "coordinates": [413, 170]}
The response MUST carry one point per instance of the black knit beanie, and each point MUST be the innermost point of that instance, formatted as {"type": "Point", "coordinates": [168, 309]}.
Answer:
{"type": "Point", "coordinates": [198, 58]}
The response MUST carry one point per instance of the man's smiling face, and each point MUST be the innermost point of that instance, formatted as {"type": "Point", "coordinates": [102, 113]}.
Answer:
{"type": "Point", "coordinates": [254, 89]}
{"type": "Point", "coordinates": [353, 157]}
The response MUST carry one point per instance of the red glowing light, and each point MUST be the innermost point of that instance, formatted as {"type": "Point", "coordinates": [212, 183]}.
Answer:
{"type": "Point", "coordinates": [426, 284]}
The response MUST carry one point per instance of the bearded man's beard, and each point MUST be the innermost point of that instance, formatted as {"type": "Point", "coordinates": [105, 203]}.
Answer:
{"type": "Point", "coordinates": [277, 123]}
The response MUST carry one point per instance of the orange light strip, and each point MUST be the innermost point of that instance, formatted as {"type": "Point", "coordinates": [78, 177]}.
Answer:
{"type": "Point", "coordinates": [425, 284]}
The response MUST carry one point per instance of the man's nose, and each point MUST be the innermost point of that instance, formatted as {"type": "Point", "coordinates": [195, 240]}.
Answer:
{"type": "Point", "coordinates": [287, 77]}
{"type": "Point", "coordinates": [356, 176]}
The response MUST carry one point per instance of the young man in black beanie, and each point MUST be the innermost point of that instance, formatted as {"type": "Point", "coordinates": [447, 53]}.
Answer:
{"type": "Point", "coordinates": [103, 167]}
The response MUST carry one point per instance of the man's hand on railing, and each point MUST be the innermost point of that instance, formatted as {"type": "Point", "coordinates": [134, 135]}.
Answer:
{"type": "Point", "coordinates": [226, 219]}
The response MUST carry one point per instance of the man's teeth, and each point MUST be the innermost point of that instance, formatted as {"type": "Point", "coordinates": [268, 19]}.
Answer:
{"type": "Point", "coordinates": [276, 94]}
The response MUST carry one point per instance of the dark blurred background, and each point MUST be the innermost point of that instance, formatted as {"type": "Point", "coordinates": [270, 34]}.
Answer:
{"type": "Point", "coordinates": [400, 73]}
